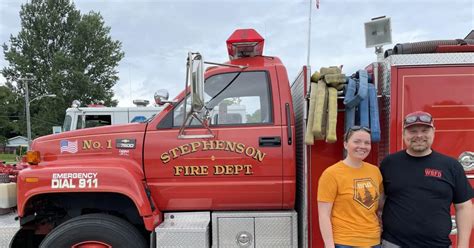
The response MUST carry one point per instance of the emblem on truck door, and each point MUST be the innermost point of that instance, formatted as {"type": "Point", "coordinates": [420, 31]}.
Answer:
{"type": "Point", "coordinates": [68, 146]}
{"type": "Point", "coordinates": [125, 143]}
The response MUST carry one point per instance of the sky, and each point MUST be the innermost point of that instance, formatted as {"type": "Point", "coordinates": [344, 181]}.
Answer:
{"type": "Point", "coordinates": [156, 35]}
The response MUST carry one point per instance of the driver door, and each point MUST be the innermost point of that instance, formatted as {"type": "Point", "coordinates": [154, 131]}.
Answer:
{"type": "Point", "coordinates": [239, 168]}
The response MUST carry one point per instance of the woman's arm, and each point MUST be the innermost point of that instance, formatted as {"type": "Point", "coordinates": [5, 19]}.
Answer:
{"type": "Point", "coordinates": [380, 209]}
{"type": "Point", "coordinates": [325, 225]}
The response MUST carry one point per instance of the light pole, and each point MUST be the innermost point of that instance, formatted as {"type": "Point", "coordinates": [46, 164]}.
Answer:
{"type": "Point", "coordinates": [30, 77]}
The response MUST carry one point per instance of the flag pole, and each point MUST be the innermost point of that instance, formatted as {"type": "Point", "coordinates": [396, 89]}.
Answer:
{"type": "Point", "coordinates": [309, 32]}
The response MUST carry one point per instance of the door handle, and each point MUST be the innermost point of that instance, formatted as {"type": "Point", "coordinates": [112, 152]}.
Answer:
{"type": "Point", "coordinates": [288, 123]}
{"type": "Point", "coordinates": [269, 141]}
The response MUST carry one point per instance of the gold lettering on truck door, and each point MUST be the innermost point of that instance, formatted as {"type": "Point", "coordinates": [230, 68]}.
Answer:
{"type": "Point", "coordinates": [96, 144]}
{"type": "Point", "coordinates": [86, 144]}
{"type": "Point", "coordinates": [215, 170]}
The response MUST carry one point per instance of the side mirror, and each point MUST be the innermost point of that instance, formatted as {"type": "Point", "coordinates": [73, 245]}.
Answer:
{"type": "Point", "coordinates": [196, 81]}
{"type": "Point", "coordinates": [161, 97]}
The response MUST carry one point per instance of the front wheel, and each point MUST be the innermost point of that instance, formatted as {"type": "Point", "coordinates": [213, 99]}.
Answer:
{"type": "Point", "coordinates": [94, 230]}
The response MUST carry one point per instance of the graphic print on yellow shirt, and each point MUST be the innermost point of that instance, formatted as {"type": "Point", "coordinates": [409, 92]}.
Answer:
{"type": "Point", "coordinates": [365, 192]}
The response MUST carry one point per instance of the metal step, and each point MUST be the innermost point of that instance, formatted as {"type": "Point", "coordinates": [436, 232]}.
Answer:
{"type": "Point", "coordinates": [184, 229]}
{"type": "Point", "coordinates": [8, 228]}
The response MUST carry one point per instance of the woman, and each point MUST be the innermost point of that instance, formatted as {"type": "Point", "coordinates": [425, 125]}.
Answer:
{"type": "Point", "coordinates": [348, 195]}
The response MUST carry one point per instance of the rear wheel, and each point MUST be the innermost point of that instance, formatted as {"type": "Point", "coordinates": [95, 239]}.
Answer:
{"type": "Point", "coordinates": [94, 231]}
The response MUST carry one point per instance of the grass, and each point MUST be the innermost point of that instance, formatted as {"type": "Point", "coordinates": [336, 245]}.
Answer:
{"type": "Point", "coordinates": [9, 158]}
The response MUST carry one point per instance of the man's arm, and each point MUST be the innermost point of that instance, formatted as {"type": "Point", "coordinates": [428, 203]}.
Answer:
{"type": "Point", "coordinates": [464, 222]}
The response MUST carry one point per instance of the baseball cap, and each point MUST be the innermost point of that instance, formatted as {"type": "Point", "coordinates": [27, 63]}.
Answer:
{"type": "Point", "coordinates": [418, 118]}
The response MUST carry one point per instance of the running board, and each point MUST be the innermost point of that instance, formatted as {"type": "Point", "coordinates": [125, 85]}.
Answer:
{"type": "Point", "coordinates": [184, 229]}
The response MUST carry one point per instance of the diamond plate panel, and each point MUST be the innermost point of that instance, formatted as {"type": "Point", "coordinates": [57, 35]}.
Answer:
{"type": "Point", "coordinates": [267, 227]}
{"type": "Point", "coordinates": [8, 228]}
{"type": "Point", "coordinates": [182, 230]}
{"type": "Point", "coordinates": [230, 228]}
{"type": "Point", "coordinates": [431, 59]}
{"type": "Point", "coordinates": [273, 232]}
{"type": "Point", "coordinates": [298, 92]}
{"type": "Point", "coordinates": [384, 87]}
{"type": "Point", "coordinates": [183, 240]}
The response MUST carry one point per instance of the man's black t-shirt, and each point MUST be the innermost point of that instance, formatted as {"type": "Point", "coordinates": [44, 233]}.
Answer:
{"type": "Point", "coordinates": [419, 193]}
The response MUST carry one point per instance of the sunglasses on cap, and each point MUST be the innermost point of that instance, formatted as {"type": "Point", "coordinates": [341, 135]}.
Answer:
{"type": "Point", "coordinates": [418, 119]}
{"type": "Point", "coordinates": [357, 128]}
{"type": "Point", "coordinates": [352, 129]}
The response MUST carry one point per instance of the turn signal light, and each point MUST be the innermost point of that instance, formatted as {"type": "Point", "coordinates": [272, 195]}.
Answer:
{"type": "Point", "coordinates": [33, 157]}
{"type": "Point", "coordinates": [31, 179]}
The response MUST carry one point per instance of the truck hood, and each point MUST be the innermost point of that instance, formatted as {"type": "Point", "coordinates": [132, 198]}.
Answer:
{"type": "Point", "coordinates": [111, 141]}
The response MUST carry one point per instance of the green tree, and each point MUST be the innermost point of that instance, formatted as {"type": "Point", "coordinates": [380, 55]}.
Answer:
{"type": "Point", "coordinates": [9, 114]}
{"type": "Point", "coordinates": [70, 54]}
{"type": "Point", "coordinates": [256, 117]}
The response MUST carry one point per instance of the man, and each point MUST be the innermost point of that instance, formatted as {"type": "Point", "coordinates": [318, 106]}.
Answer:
{"type": "Point", "coordinates": [420, 184]}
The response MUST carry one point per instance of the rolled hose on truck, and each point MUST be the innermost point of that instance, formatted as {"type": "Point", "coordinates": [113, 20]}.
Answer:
{"type": "Point", "coordinates": [361, 105]}
{"type": "Point", "coordinates": [322, 114]}
{"type": "Point", "coordinates": [425, 46]}
{"type": "Point", "coordinates": [360, 100]}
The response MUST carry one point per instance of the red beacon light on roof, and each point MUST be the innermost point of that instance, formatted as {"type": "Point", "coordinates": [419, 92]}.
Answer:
{"type": "Point", "coordinates": [96, 104]}
{"type": "Point", "coordinates": [244, 43]}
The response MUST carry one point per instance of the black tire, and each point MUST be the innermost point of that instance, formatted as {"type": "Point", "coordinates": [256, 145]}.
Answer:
{"type": "Point", "coordinates": [102, 228]}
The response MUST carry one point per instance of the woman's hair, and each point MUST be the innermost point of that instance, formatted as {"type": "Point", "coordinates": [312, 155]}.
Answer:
{"type": "Point", "coordinates": [353, 129]}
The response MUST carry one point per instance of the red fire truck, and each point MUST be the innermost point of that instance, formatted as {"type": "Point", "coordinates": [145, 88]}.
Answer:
{"type": "Point", "coordinates": [199, 175]}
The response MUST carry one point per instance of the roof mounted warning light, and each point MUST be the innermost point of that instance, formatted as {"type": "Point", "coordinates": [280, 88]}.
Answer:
{"type": "Point", "coordinates": [244, 43]}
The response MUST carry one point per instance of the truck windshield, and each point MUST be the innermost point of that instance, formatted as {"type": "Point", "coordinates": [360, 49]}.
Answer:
{"type": "Point", "coordinates": [94, 121]}
{"type": "Point", "coordinates": [67, 123]}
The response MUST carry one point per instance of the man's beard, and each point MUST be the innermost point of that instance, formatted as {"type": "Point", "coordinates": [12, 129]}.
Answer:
{"type": "Point", "coordinates": [417, 147]}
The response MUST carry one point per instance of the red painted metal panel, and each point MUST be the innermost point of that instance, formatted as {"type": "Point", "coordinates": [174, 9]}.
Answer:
{"type": "Point", "coordinates": [289, 149]}
{"type": "Point", "coordinates": [93, 152]}
{"type": "Point", "coordinates": [115, 175]}
{"type": "Point", "coordinates": [445, 92]}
